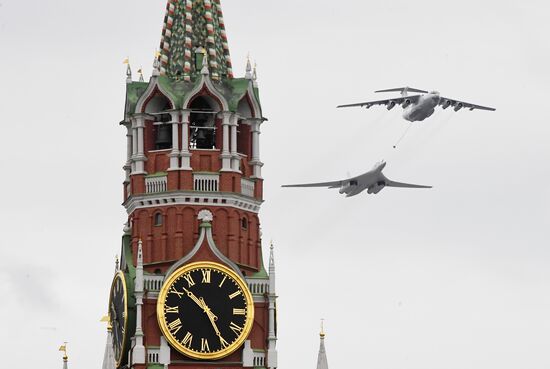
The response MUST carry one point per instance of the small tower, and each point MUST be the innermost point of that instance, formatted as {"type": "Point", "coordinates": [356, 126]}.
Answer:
{"type": "Point", "coordinates": [322, 362]}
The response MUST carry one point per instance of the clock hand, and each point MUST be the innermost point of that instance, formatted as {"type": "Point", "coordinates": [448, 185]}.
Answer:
{"type": "Point", "coordinates": [199, 302]}
{"type": "Point", "coordinates": [211, 316]}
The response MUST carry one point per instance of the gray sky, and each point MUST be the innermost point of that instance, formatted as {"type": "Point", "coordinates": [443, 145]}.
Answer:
{"type": "Point", "coordinates": [453, 277]}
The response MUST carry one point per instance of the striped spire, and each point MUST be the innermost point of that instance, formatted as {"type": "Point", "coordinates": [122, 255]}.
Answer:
{"type": "Point", "coordinates": [192, 28]}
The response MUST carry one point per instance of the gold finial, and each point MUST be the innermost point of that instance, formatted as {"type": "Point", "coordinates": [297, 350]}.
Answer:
{"type": "Point", "coordinates": [322, 334]}
{"type": "Point", "coordinates": [126, 60]}
{"type": "Point", "coordinates": [157, 54]}
{"type": "Point", "coordinates": [107, 319]}
{"type": "Point", "coordinates": [117, 263]}
{"type": "Point", "coordinates": [63, 348]}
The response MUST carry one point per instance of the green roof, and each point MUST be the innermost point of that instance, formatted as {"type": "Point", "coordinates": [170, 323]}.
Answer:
{"type": "Point", "coordinates": [191, 28]}
{"type": "Point", "coordinates": [233, 90]}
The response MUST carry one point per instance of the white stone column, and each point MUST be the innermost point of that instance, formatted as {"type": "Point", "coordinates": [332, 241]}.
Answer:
{"type": "Point", "coordinates": [134, 144]}
{"type": "Point", "coordinates": [138, 353]}
{"type": "Point", "coordinates": [140, 157]}
{"type": "Point", "coordinates": [235, 159]}
{"type": "Point", "coordinates": [185, 154]}
{"type": "Point", "coordinates": [175, 154]}
{"type": "Point", "coordinates": [129, 151]}
{"type": "Point", "coordinates": [226, 154]}
{"type": "Point", "coordinates": [256, 162]}
{"type": "Point", "coordinates": [272, 297]}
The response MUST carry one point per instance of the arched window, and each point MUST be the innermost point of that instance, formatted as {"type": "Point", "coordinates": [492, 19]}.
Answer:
{"type": "Point", "coordinates": [202, 125]}
{"type": "Point", "coordinates": [244, 223]}
{"type": "Point", "coordinates": [157, 221]}
{"type": "Point", "coordinates": [161, 134]}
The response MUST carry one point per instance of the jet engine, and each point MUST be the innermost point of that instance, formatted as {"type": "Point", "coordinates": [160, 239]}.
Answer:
{"type": "Point", "coordinates": [459, 106]}
{"type": "Point", "coordinates": [406, 103]}
{"type": "Point", "coordinates": [446, 104]}
{"type": "Point", "coordinates": [379, 186]}
{"type": "Point", "coordinates": [391, 105]}
{"type": "Point", "coordinates": [347, 187]}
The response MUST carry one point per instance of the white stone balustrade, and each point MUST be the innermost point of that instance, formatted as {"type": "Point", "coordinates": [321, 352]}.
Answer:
{"type": "Point", "coordinates": [258, 286]}
{"type": "Point", "coordinates": [206, 182]}
{"type": "Point", "coordinates": [156, 184]}
{"type": "Point", "coordinates": [153, 282]}
{"type": "Point", "coordinates": [247, 187]}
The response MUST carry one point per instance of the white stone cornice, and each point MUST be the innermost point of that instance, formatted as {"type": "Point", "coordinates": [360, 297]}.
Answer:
{"type": "Point", "coordinates": [192, 198]}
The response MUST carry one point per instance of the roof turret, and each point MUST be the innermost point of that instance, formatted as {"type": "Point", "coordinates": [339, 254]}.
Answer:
{"type": "Point", "coordinates": [322, 362]}
{"type": "Point", "coordinates": [189, 27]}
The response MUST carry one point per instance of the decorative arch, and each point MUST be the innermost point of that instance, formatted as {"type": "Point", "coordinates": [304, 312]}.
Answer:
{"type": "Point", "coordinates": [205, 87]}
{"type": "Point", "coordinates": [153, 88]}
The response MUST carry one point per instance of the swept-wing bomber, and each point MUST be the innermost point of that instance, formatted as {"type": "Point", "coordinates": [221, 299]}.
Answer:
{"type": "Point", "coordinates": [373, 181]}
{"type": "Point", "coordinates": [418, 107]}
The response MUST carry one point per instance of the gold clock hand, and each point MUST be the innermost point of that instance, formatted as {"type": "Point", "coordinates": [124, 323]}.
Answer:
{"type": "Point", "coordinates": [199, 302]}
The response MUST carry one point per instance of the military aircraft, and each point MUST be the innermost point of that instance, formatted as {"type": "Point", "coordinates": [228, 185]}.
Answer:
{"type": "Point", "coordinates": [373, 181]}
{"type": "Point", "coordinates": [418, 107]}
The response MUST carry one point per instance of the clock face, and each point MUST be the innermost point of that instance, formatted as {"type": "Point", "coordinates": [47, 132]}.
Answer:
{"type": "Point", "coordinates": [118, 314]}
{"type": "Point", "coordinates": [205, 310]}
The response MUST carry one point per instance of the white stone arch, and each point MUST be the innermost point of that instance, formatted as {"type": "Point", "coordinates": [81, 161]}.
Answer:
{"type": "Point", "coordinates": [205, 84]}
{"type": "Point", "coordinates": [153, 86]}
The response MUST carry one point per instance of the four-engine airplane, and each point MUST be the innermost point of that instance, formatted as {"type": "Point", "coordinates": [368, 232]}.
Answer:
{"type": "Point", "coordinates": [418, 107]}
{"type": "Point", "coordinates": [373, 181]}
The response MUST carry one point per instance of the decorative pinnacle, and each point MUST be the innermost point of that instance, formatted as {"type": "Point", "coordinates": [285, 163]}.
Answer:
{"type": "Point", "coordinates": [63, 349]}
{"type": "Point", "coordinates": [140, 252]}
{"type": "Point", "coordinates": [255, 75]}
{"type": "Point", "coordinates": [128, 70]}
{"type": "Point", "coordinates": [140, 71]}
{"type": "Point", "coordinates": [117, 263]}
{"type": "Point", "coordinates": [322, 334]}
{"type": "Point", "coordinates": [248, 74]}
{"type": "Point", "coordinates": [271, 256]}
{"type": "Point", "coordinates": [107, 319]}
{"type": "Point", "coordinates": [156, 64]}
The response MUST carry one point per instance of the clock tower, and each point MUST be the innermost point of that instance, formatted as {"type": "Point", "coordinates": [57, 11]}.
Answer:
{"type": "Point", "coordinates": [191, 289]}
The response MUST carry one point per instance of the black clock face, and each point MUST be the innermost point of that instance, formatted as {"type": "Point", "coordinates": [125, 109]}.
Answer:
{"type": "Point", "coordinates": [118, 312]}
{"type": "Point", "coordinates": [205, 310]}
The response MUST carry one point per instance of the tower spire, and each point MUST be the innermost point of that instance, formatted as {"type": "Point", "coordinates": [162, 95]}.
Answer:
{"type": "Point", "coordinates": [189, 25]}
{"type": "Point", "coordinates": [322, 362]}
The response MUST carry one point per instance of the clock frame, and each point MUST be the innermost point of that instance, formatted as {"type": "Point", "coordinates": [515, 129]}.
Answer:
{"type": "Point", "coordinates": [205, 310]}
{"type": "Point", "coordinates": [118, 316]}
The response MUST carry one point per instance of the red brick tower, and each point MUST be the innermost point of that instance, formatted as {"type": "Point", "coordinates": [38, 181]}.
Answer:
{"type": "Point", "coordinates": [193, 190]}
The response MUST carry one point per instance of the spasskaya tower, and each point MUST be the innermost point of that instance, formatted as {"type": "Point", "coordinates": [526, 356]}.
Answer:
{"type": "Point", "coordinates": [191, 289]}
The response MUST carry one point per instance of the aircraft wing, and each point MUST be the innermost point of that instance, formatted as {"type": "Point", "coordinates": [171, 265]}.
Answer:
{"type": "Point", "coordinates": [407, 185]}
{"type": "Point", "coordinates": [445, 101]}
{"type": "Point", "coordinates": [333, 184]}
{"type": "Point", "coordinates": [395, 101]}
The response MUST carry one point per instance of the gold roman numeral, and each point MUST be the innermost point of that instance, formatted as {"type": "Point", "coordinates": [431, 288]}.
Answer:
{"type": "Point", "coordinates": [173, 290]}
{"type": "Point", "coordinates": [172, 310]}
{"type": "Point", "coordinates": [175, 326]}
{"type": "Point", "coordinates": [223, 342]}
{"type": "Point", "coordinates": [189, 280]}
{"type": "Point", "coordinates": [187, 340]}
{"type": "Point", "coordinates": [206, 276]}
{"type": "Point", "coordinates": [235, 328]}
{"type": "Point", "coordinates": [204, 345]}
{"type": "Point", "coordinates": [235, 294]}
{"type": "Point", "coordinates": [239, 312]}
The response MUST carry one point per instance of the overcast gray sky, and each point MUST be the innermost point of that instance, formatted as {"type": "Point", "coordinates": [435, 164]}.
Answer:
{"type": "Point", "coordinates": [453, 277]}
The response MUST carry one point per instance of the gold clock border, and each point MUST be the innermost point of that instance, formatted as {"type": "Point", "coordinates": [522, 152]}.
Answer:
{"type": "Point", "coordinates": [249, 316]}
{"type": "Point", "coordinates": [120, 274]}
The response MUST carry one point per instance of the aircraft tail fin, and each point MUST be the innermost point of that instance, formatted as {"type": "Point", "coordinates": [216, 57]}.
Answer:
{"type": "Point", "coordinates": [403, 90]}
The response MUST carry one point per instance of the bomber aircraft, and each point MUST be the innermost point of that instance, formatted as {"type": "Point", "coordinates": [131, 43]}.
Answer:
{"type": "Point", "coordinates": [373, 181]}
{"type": "Point", "coordinates": [418, 107]}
